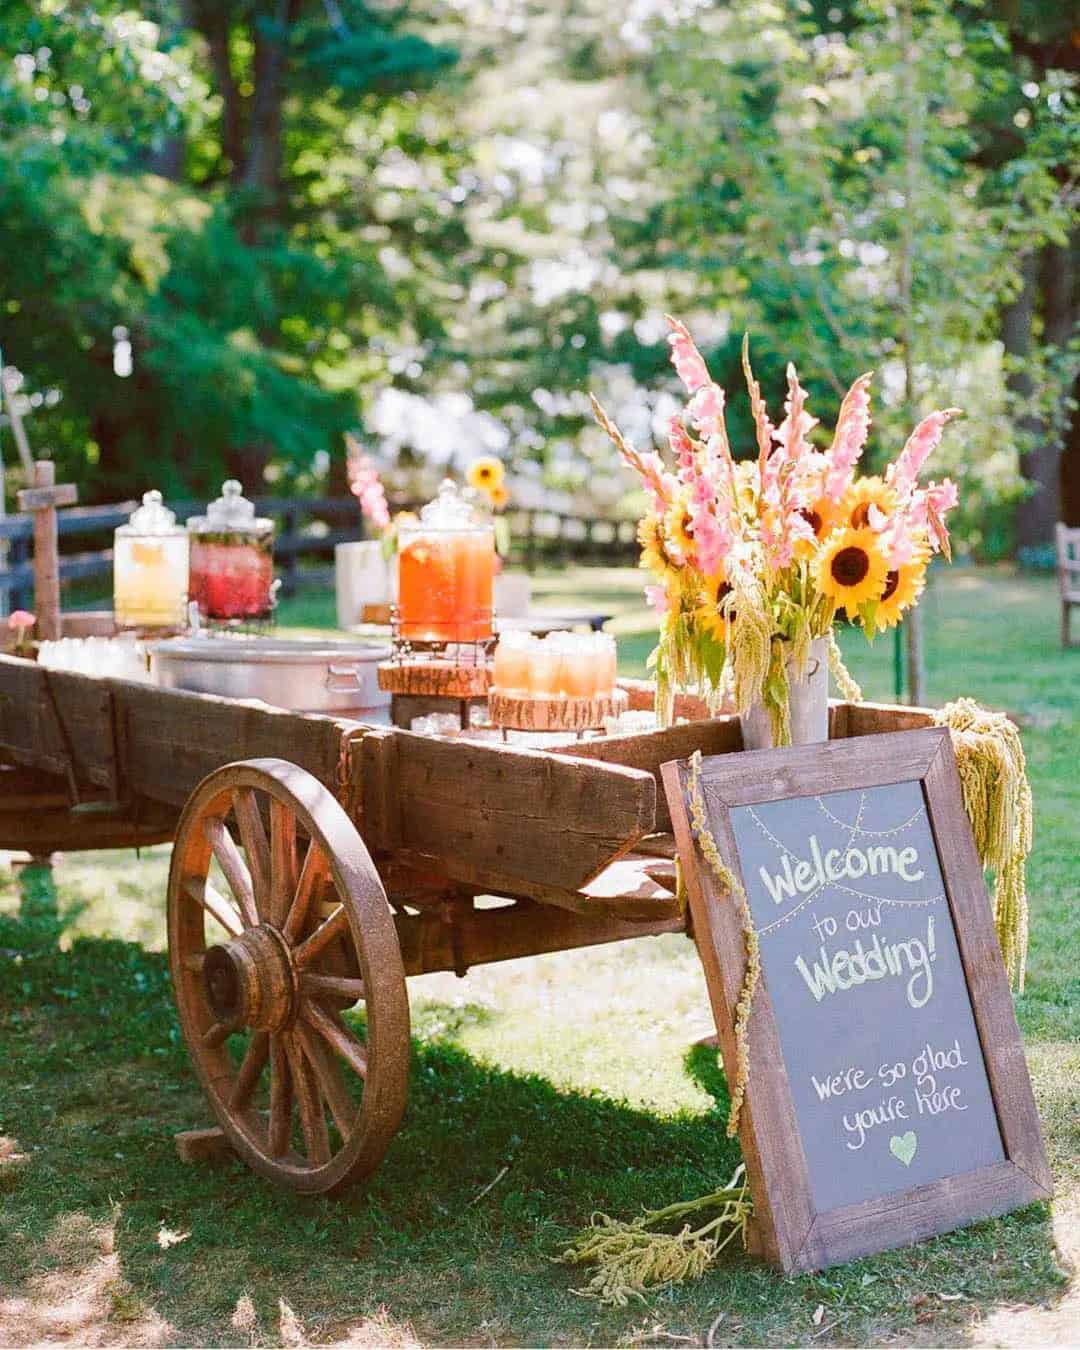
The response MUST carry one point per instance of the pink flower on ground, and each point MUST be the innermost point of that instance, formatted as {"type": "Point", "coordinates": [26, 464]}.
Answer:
{"type": "Point", "coordinates": [852, 429]}
{"type": "Point", "coordinates": [904, 472]}
{"type": "Point", "coordinates": [688, 361]}
{"type": "Point", "coordinates": [21, 619]}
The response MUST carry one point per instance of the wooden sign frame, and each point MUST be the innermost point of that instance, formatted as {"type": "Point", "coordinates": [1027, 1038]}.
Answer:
{"type": "Point", "coordinates": [787, 1229]}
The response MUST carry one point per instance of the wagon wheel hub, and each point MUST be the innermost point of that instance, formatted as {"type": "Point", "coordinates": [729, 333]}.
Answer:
{"type": "Point", "coordinates": [250, 981]}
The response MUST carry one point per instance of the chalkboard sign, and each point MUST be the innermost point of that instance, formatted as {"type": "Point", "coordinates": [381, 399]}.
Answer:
{"type": "Point", "coordinates": [888, 1097]}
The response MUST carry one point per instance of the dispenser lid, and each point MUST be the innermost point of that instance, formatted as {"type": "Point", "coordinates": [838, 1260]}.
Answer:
{"type": "Point", "coordinates": [152, 518]}
{"type": "Point", "coordinates": [453, 509]}
{"type": "Point", "coordinates": [232, 513]}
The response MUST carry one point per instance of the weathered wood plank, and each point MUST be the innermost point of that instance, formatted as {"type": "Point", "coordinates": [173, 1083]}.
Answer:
{"type": "Point", "coordinates": [56, 721]}
{"type": "Point", "coordinates": [648, 750]}
{"type": "Point", "coordinates": [492, 813]}
{"type": "Point", "coordinates": [488, 935]}
{"type": "Point", "coordinates": [173, 739]}
{"type": "Point", "coordinates": [56, 828]}
{"type": "Point", "coordinates": [867, 719]}
{"type": "Point", "coordinates": [203, 1146]}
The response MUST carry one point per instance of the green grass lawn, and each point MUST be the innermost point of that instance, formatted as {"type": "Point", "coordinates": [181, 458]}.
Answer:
{"type": "Point", "coordinates": [568, 1081]}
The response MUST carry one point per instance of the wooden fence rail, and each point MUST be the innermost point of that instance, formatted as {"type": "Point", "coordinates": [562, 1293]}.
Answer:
{"type": "Point", "coordinates": [307, 530]}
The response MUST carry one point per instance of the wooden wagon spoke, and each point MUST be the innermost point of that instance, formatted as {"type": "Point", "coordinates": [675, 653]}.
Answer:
{"type": "Point", "coordinates": [233, 867]}
{"type": "Point", "coordinates": [281, 964]}
{"type": "Point", "coordinates": [312, 1117]}
{"type": "Point", "coordinates": [331, 986]}
{"type": "Point", "coordinates": [253, 837]}
{"type": "Point", "coordinates": [315, 867]}
{"type": "Point", "coordinates": [281, 1093]}
{"type": "Point", "coordinates": [251, 1067]}
{"type": "Point", "coordinates": [332, 1030]}
{"type": "Point", "coordinates": [337, 925]}
{"type": "Point", "coordinates": [282, 861]}
{"type": "Point", "coordinates": [342, 1107]}
{"type": "Point", "coordinates": [216, 1035]}
{"type": "Point", "coordinates": [205, 893]}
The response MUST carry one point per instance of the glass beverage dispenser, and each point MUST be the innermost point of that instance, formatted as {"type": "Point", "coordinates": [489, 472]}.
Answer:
{"type": "Point", "coordinates": [150, 568]}
{"type": "Point", "coordinates": [446, 572]}
{"type": "Point", "coordinates": [232, 558]}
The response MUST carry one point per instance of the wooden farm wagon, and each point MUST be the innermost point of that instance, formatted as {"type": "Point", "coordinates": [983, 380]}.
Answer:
{"type": "Point", "coordinates": [318, 862]}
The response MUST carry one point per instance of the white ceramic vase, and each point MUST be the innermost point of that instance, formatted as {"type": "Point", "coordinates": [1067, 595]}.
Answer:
{"type": "Point", "coordinates": [809, 703]}
{"type": "Point", "coordinates": [361, 577]}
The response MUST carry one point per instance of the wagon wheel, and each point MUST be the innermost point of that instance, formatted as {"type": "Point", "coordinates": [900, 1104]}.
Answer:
{"type": "Point", "coordinates": [264, 965]}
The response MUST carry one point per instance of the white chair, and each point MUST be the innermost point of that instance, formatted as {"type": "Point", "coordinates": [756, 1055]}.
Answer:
{"type": "Point", "coordinates": [1068, 570]}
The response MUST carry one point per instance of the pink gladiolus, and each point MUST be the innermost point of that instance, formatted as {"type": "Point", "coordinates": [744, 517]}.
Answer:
{"type": "Point", "coordinates": [712, 541]}
{"type": "Point", "coordinates": [681, 445]}
{"type": "Point", "coordinates": [21, 619]}
{"type": "Point", "coordinates": [707, 410]}
{"type": "Point", "coordinates": [898, 538]}
{"type": "Point", "coordinates": [688, 361]}
{"type": "Point", "coordinates": [659, 599]}
{"type": "Point", "coordinates": [852, 428]}
{"type": "Point", "coordinates": [791, 434]}
{"type": "Point", "coordinates": [904, 472]}
{"type": "Point", "coordinates": [762, 426]}
{"type": "Point", "coordinates": [940, 499]}
{"type": "Point", "coordinates": [366, 486]}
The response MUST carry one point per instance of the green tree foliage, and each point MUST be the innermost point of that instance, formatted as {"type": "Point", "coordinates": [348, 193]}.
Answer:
{"type": "Point", "coordinates": [163, 184]}
{"type": "Point", "coordinates": [852, 219]}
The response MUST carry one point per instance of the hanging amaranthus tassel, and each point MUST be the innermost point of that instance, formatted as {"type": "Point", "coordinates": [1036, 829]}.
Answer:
{"type": "Point", "coordinates": [845, 682]}
{"type": "Point", "coordinates": [631, 1258]}
{"type": "Point", "coordinates": [699, 825]}
{"type": "Point", "coordinates": [997, 799]}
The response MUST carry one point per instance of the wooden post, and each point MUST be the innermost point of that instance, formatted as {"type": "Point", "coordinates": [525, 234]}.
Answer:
{"type": "Point", "coordinates": [42, 499]}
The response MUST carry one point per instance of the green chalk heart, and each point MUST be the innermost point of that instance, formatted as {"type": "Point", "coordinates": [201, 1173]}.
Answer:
{"type": "Point", "coordinates": [903, 1146]}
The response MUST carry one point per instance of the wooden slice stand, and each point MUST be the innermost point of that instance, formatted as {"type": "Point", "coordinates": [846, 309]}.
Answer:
{"type": "Point", "coordinates": [435, 678]}
{"type": "Point", "coordinates": [518, 713]}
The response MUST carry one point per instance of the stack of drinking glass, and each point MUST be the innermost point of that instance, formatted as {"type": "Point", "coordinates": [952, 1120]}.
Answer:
{"type": "Point", "coordinates": [120, 658]}
{"type": "Point", "coordinates": [561, 665]}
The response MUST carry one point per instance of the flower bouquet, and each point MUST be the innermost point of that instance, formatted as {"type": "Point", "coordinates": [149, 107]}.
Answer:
{"type": "Point", "coordinates": [752, 561]}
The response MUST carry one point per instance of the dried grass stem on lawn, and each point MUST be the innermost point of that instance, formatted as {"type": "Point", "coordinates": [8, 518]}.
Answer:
{"type": "Point", "coordinates": [631, 1258]}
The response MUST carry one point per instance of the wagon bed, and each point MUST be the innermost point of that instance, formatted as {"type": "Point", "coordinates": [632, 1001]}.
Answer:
{"type": "Point", "coordinates": [355, 855]}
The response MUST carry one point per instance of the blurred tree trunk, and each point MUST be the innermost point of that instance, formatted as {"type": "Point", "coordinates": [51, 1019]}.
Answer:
{"type": "Point", "coordinates": [251, 139]}
{"type": "Point", "coordinates": [1036, 513]}
{"type": "Point", "coordinates": [262, 171]}
{"type": "Point", "coordinates": [1061, 301]}
{"type": "Point", "coordinates": [1051, 464]}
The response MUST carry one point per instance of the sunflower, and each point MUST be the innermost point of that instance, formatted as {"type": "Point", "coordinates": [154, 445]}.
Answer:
{"type": "Point", "coordinates": [903, 586]}
{"type": "Point", "coordinates": [486, 473]}
{"type": "Point", "coordinates": [851, 568]}
{"type": "Point", "coordinates": [709, 614]}
{"type": "Point", "coordinates": [499, 496]}
{"type": "Point", "coordinates": [679, 527]}
{"type": "Point", "coordinates": [821, 515]}
{"type": "Point", "coordinates": [655, 557]}
{"type": "Point", "coordinates": [854, 509]}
